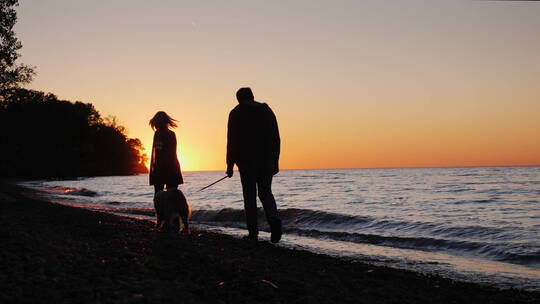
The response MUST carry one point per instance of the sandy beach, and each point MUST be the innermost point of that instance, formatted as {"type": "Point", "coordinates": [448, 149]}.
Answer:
{"type": "Point", "coordinates": [58, 254]}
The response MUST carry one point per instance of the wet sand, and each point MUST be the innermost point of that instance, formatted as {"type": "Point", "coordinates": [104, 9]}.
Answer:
{"type": "Point", "coordinates": [59, 254]}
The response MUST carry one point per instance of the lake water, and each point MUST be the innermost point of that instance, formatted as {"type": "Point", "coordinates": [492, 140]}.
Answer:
{"type": "Point", "coordinates": [473, 224]}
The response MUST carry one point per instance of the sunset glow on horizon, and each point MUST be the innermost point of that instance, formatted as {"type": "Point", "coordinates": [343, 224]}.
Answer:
{"type": "Point", "coordinates": [353, 85]}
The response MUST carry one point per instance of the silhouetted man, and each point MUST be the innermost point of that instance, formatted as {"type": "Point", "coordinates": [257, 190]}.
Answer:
{"type": "Point", "coordinates": [253, 144]}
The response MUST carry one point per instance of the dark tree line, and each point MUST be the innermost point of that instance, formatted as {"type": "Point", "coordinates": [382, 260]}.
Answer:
{"type": "Point", "coordinates": [42, 136]}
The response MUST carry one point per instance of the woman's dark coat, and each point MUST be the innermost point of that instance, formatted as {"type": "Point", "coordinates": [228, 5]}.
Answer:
{"type": "Point", "coordinates": [164, 165]}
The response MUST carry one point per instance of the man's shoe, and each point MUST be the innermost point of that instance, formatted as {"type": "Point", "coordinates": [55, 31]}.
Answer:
{"type": "Point", "coordinates": [275, 229]}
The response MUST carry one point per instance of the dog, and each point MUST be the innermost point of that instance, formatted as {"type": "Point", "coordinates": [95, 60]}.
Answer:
{"type": "Point", "coordinates": [171, 205]}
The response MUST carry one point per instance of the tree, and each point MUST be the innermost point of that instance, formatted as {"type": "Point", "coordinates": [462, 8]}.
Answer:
{"type": "Point", "coordinates": [48, 137]}
{"type": "Point", "coordinates": [11, 73]}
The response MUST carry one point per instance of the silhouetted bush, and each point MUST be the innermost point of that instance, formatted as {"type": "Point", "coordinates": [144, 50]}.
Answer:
{"type": "Point", "coordinates": [42, 136]}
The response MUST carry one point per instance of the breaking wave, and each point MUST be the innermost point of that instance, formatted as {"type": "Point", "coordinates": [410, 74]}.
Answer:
{"type": "Point", "coordinates": [488, 242]}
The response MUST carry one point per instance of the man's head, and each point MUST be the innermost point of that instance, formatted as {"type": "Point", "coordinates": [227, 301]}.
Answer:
{"type": "Point", "coordinates": [244, 95]}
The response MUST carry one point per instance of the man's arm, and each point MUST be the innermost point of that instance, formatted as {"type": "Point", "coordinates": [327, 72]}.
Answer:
{"type": "Point", "coordinates": [275, 140]}
{"type": "Point", "coordinates": [231, 144]}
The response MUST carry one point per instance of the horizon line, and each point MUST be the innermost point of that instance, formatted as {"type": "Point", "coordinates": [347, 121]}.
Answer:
{"type": "Point", "coordinates": [370, 168]}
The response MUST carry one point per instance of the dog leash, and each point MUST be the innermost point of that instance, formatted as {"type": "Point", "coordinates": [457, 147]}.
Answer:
{"type": "Point", "coordinates": [212, 184]}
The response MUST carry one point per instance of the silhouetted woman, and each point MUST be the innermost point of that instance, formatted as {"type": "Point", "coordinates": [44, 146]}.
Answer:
{"type": "Point", "coordinates": [164, 165]}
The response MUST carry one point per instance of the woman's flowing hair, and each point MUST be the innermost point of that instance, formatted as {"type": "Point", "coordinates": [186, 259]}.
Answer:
{"type": "Point", "coordinates": [162, 121]}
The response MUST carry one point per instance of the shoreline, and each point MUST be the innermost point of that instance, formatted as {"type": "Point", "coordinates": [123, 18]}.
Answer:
{"type": "Point", "coordinates": [73, 254]}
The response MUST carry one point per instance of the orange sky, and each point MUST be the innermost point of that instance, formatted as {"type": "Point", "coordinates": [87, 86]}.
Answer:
{"type": "Point", "coordinates": [369, 84]}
